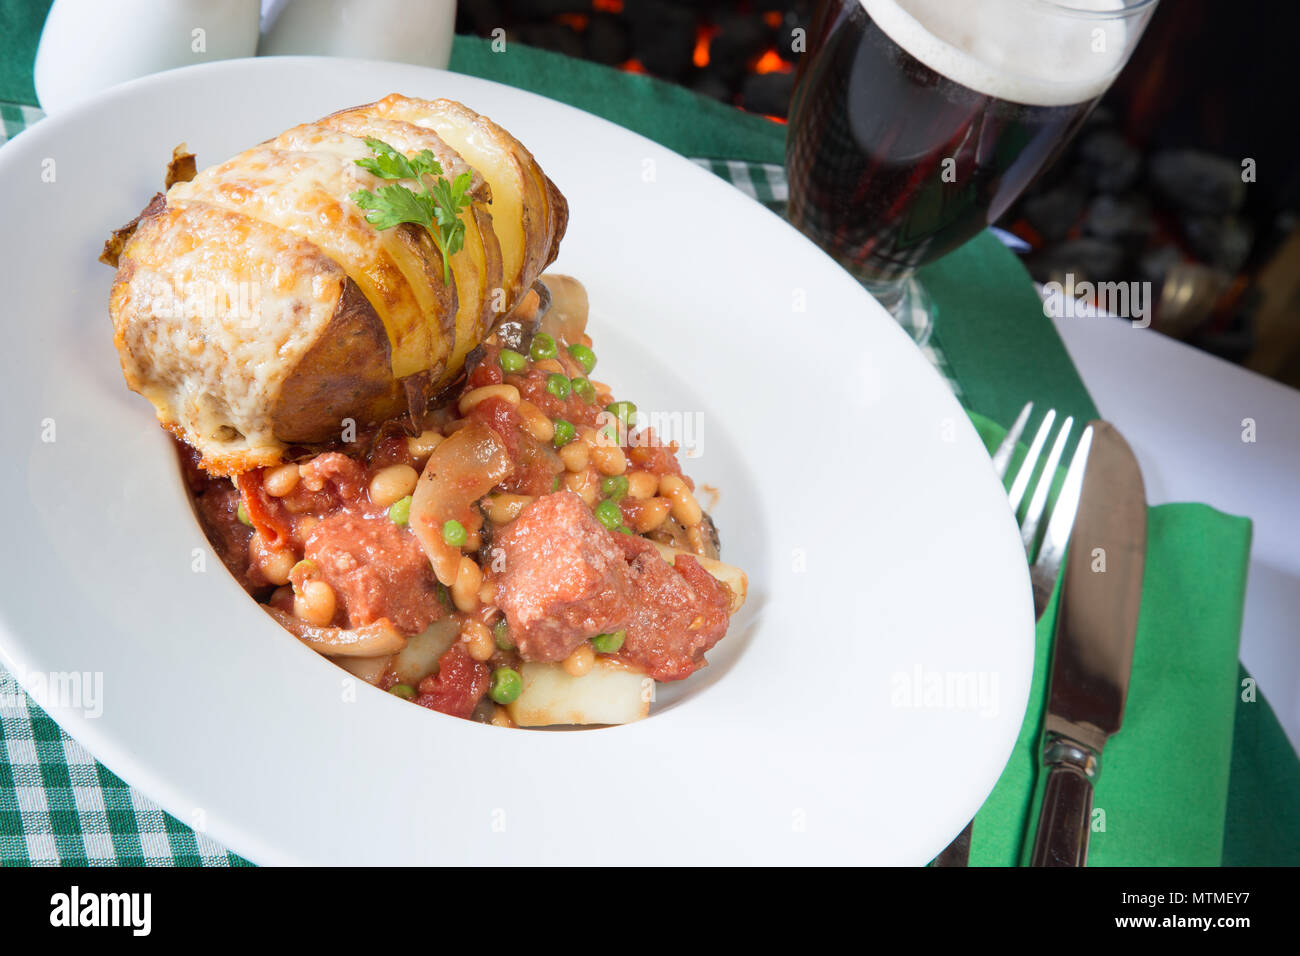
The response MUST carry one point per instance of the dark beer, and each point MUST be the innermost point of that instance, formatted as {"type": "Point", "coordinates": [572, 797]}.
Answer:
{"type": "Point", "coordinates": [910, 131]}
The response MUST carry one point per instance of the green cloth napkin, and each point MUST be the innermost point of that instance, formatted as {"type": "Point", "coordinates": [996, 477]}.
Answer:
{"type": "Point", "coordinates": [1263, 826]}
{"type": "Point", "coordinates": [999, 344]}
{"type": "Point", "coordinates": [1163, 790]}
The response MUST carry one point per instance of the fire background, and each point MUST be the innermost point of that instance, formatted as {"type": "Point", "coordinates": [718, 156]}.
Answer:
{"type": "Point", "coordinates": [1155, 189]}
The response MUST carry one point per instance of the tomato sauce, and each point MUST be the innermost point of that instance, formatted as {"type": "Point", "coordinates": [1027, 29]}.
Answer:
{"type": "Point", "coordinates": [457, 687]}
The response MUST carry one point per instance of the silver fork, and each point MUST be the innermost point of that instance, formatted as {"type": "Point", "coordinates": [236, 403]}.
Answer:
{"type": "Point", "coordinates": [1046, 566]}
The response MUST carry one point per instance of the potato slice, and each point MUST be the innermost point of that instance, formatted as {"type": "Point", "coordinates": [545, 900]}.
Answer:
{"type": "Point", "coordinates": [478, 272]}
{"type": "Point", "coordinates": [557, 213]}
{"type": "Point", "coordinates": [419, 658]}
{"type": "Point", "coordinates": [477, 268]}
{"type": "Point", "coordinates": [369, 669]}
{"type": "Point", "coordinates": [728, 574]}
{"type": "Point", "coordinates": [342, 135]}
{"type": "Point", "coordinates": [610, 693]}
{"type": "Point", "coordinates": [519, 206]}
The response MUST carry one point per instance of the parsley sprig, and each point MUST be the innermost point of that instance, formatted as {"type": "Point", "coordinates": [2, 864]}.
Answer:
{"type": "Point", "coordinates": [436, 205]}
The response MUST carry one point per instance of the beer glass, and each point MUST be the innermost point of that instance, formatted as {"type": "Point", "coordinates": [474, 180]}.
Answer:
{"type": "Point", "coordinates": [916, 123]}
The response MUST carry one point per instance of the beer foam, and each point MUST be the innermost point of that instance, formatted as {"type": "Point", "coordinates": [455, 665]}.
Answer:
{"type": "Point", "coordinates": [1025, 51]}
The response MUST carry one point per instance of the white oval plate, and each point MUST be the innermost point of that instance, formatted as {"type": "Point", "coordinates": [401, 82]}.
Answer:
{"type": "Point", "coordinates": [862, 706]}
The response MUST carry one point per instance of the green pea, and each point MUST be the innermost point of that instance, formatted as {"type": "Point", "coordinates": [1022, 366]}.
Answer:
{"type": "Point", "coordinates": [404, 691]}
{"type": "Point", "coordinates": [454, 533]}
{"type": "Point", "coordinates": [564, 433]}
{"type": "Point", "coordinates": [625, 412]}
{"type": "Point", "coordinates": [400, 512]}
{"type": "Point", "coordinates": [584, 357]}
{"type": "Point", "coordinates": [609, 643]}
{"type": "Point", "coordinates": [558, 385]}
{"type": "Point", "coordinates": [242, 514]}
{"type": "Point", "coordinates": [511, 361]}
{"type": "Point", "coordinates": [501, 631]}
{"type": "Point", "coordinates": [506, 685]}
{"type": "Point", "coordinates": [543, 347]}
{"type": "Point", "coordinates": [608, 514]}
{"type": "Point", "coordinates": [614, 487]}
{"type": "Point", "coordinates": [584, 390]}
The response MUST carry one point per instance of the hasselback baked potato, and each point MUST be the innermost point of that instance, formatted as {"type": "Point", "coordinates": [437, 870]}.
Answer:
{"type": "Point", "coordinates": [257, 307]}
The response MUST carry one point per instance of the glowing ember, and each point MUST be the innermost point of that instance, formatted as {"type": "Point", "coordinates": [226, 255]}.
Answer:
{"type": "Point", "coordinates": [771, 62]}
{"type": "Point", "coordinates": [607, 6]}
{"type": "Point", "coordinates": [703, 37]}
{"type": "Point", "coordinates": [576, 21]}
{"type": "Point", "coordinates": [632, 66]}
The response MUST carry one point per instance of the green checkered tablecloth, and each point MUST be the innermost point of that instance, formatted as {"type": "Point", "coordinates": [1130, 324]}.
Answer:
{"type": "Point", "coordinates": [14, 118]}
{"type": "Point", "coordinates": [58, 805]}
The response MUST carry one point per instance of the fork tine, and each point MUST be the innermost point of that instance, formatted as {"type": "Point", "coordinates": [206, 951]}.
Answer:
{"type": "Point", "coordinates": [1029, 530]}
{"type": "Point", "coordinates": [1002, 457]}
{"type": "Point", "coordinates": [1021, 484]}
{"type": "Point", "coordinates": [1067, 503]}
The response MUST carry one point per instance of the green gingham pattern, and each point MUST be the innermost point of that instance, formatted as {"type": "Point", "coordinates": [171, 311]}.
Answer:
{"type": "Point", "coordinates": [58, 805]}
{"type": "Point", "coordinates": [14, 118]}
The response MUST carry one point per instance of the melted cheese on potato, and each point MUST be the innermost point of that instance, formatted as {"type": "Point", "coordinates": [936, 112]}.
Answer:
{"type": "Point", "coordinates": [307, 193]}
{"type": "Point", "coordinates": [209, 310]}
{"type": "Point", "coordinates": [352, 322]}
{"type": "Point", "coordinates": [478, 267]}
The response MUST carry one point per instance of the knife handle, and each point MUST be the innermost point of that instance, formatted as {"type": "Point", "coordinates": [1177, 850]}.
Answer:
{"type": "Point", "coordinates": [1065, 819]}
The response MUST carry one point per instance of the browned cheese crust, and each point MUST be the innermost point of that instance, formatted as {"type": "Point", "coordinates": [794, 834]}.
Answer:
{"type": "Point", "coordinates": [256, 307]}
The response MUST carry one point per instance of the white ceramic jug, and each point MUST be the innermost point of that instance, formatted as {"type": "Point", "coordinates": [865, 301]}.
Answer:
{"type": "Point", "coordinates": [405, 31]}
{"type": "Point", "coordinates": [89, 45]}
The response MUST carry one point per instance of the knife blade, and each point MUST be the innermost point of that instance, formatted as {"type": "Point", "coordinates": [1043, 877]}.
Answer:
{"type": "Point", "coordinates": [1096, 629]}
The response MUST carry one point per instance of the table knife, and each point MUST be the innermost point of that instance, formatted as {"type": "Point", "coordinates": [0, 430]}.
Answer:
{"type": "Point", "coordinates": [1096, 628]}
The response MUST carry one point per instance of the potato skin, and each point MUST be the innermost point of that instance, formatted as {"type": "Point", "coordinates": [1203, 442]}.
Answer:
{"type": "Point", "coordinates": [559, 208]}
{"type": "Point", "coordinates": [346, 374]}
{"type": "Point", "coordinates": [473, 322]}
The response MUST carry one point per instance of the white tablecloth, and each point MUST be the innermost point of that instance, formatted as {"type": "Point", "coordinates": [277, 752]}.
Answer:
{"type": "Point", "coordinates": [1183, 412]}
